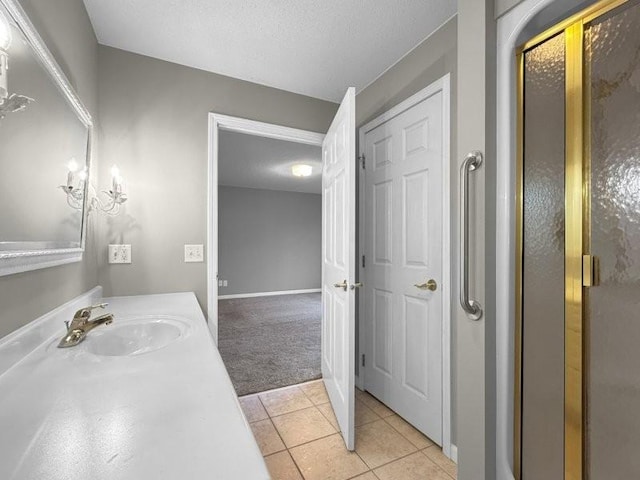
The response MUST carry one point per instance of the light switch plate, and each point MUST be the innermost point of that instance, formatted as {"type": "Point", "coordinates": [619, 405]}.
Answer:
{"type": "Point", "coordinates": [119, 253]}
{"type": "Point", "coordinates": [193, 253]}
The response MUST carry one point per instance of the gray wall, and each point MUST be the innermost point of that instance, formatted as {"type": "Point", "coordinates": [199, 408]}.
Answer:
{"type": "Point", "coordinates": [154, 115]}
{"type": "Point", "coordinates": [502, 6]}
{"type": "Point", "coordinates": [67, 31]}
{"type": "Point", "coordinates": [429, 61]}
{"type": "Point", "coordinates": [475, 341]}
{"type": "Point", "coordinates": [269, 240]}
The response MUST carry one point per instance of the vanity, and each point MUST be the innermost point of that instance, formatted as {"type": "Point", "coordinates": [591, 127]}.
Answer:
{"type": "Point", "coordinates": [140, 392]}
{"type": "Point", "coordinates": [147, 397]}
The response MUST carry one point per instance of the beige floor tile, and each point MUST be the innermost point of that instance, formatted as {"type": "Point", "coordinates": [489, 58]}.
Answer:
{"type": "Point", "coordinates": [364, 414]}
{"type": "Point", "coordinates": [327, 459]}
{"type": "Point", "coordinates": [379, 443]}
{"type": "Point", "coordinates": [302, 426]}
{"type": "Point", "coordinates": [374, 404]}
{"type": "Point", "coordinates": [267, 437]}
{"type": "Point", "coordinates": [281, 467]}
{"type": "Point", "coordinates": [366, 476]}
{"type": "Point", "coordinates": [327, 410]}
{"type": "Point", "coordinates": [279, 402]}
{"type": "Point", "coordinates": [316, 392]}
{"type": "Point", "coordinates": [414, 467]}
{"type": "Point", "coordinates": [435, 454]}
{"type": "Point", "coordinates": [253, 409]}
{"type": "Point", "coordinates": [409, 432]}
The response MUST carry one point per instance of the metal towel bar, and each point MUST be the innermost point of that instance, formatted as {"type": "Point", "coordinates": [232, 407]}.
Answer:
{"type": "Point", "coordinates": [471, 162]}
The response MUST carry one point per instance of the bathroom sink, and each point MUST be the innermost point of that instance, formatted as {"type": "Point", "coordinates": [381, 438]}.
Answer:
{"type": "Point", "coordinates": [135, 336]}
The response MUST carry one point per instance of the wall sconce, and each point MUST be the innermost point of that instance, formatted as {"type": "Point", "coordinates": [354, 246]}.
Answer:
{"type": "Point", "coordinates": [75, 190]}
{"type": "Point", "coordinates": [8, 103]}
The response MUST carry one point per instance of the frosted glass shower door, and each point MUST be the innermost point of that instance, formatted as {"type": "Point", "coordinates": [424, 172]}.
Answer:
{"type": "Point", "coordinates": [612, 71]}
{"type": "Point", "coordinates": [543, 172]}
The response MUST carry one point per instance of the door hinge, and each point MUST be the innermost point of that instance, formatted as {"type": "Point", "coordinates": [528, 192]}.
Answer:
{"type": "Point", "coordinates": [363, 261]}
{"type": "Point", "coordinates": [590, 271]}
{"type": "Point", "coordinates": [362, 162]}
{"type": "Point", "coordinates": [363, 360]}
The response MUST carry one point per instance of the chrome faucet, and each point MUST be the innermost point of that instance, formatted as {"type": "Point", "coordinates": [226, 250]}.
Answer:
{"type": "Point", "coordinates": [81, 324]}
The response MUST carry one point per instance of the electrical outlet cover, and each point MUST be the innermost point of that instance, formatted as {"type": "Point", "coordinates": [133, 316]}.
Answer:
{"type": "Point", "coordinates": [119, 253]}
{"type": "Point", "coordinates": [193, 253]}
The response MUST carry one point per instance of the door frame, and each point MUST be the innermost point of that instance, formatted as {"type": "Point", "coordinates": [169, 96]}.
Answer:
{"type": "Point", "coordinates": [219, 122]}
{"type": "Point", "coordinates": [444, 85]}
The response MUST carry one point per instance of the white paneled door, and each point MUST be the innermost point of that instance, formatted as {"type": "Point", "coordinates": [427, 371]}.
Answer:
{"type": "Point", "coordinates": [338, 264]}
{"type": "Point", "coordinates": [406, 274]}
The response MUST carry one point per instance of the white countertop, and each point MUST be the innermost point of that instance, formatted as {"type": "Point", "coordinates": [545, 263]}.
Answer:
{"type": "Point", "coordinates": [169, 414]}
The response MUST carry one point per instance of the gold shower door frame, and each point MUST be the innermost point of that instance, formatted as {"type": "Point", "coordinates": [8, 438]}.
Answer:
{"type": "Point", "coordinates": [578, 264]}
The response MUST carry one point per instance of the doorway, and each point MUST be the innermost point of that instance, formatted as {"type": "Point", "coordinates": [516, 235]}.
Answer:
{"type": "Point", "coordinates": [338, 254]}
{"type": "Point", "coordinates": [269, 255]}
{"type": "Point", "coordinates": [406, 262]}
{"type": "Point", "coordinates": [578, 248]}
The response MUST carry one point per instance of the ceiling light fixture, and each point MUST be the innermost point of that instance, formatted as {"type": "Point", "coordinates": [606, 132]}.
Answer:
{"type": "Point", "coordinates": [301, 170]}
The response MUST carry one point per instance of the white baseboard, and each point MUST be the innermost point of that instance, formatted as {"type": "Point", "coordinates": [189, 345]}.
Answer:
{"type": "Point", "coordinates": [268, 294]}
{"type": "Point", "coordinates": [454, 453]}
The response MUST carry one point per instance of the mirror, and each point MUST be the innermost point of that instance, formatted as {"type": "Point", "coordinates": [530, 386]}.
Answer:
{"type": "Point", "coordinates": [45, 142]}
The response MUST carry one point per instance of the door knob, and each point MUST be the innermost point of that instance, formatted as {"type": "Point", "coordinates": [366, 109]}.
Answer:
{"type": "Point", "coordinates": [356, 285]}
{"type": "Point", "coordinates": [429, 285]}
{"type": "Point", "coordinates": [342, 285]}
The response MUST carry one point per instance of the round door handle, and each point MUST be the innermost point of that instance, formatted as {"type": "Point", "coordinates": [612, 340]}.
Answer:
{"type": "Point", "coordinates": [356, 285]}
{"type": "Point", "coordinates": [428, 285]}
{"type": "Point", "coordinates": [342, 285]}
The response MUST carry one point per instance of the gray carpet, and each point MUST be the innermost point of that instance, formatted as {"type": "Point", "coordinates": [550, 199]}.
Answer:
{"type": "Point", "coordinates": [270, 342]}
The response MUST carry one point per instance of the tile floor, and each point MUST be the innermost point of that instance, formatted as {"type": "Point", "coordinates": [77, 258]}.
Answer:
{"type": "Point", "coordinates": [298, 435]}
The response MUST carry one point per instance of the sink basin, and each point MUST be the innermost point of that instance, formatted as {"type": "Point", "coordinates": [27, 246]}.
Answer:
{"type": "Point", "coordinates": [135, 336]}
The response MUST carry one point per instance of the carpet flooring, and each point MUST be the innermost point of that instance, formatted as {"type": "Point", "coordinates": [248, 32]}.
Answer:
{"type": "Point", "coordinates": [270, 342]}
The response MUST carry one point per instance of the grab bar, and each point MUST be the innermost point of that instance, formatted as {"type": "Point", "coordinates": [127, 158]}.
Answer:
{"type": "Point", "coordinates": [471, 162]}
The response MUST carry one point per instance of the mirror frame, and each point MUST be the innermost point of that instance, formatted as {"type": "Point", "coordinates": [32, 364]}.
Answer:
{"type": "Point", "coordinates": [30, 255]}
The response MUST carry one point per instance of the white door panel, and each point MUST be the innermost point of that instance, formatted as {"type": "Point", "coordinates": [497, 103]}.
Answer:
{"type": "Point", "coordinates": [404, 246]}
{"type": "Point", "coordinates": [338, 265]}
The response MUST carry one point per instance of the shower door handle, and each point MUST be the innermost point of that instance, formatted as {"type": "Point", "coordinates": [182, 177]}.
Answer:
{"type": "Point", "coordinates": [471, 162]}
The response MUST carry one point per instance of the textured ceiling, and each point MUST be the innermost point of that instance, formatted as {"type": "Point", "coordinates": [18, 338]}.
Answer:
{"type": "Point", "coordinates": [259, 162]}
{"type": "Point", "coordinates": [313, 47]}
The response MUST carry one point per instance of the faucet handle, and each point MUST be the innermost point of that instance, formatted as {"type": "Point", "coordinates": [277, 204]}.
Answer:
{"type": "Point", "coordinates": [86, 311]}
{"type": "Point", "coordinates": [99, 305]}
{"type": "Point", "coordinates": [67, 323]}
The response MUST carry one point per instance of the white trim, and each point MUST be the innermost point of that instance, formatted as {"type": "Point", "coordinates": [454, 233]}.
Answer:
{"type": "Point", "coordinates": [269, 294]}
{"type": "Point", "coordinates": [28, 259]}
{"type": "Point", "coordinates": [443, 84]}
{"type": "Point", "coordinates": [251, 127]}
{"type": "Point", "coordinates": [454, 453]}
{"type": "Point", "coordinates": [510, 26]}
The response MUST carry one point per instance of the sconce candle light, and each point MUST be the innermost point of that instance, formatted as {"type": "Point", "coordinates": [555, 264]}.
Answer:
{"type": "Point", "coordinates": [8, 103]}
{"type": "Point", "coordinates": [75, 190]}
{"type": "Point", "coordinates": [5, 43]}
